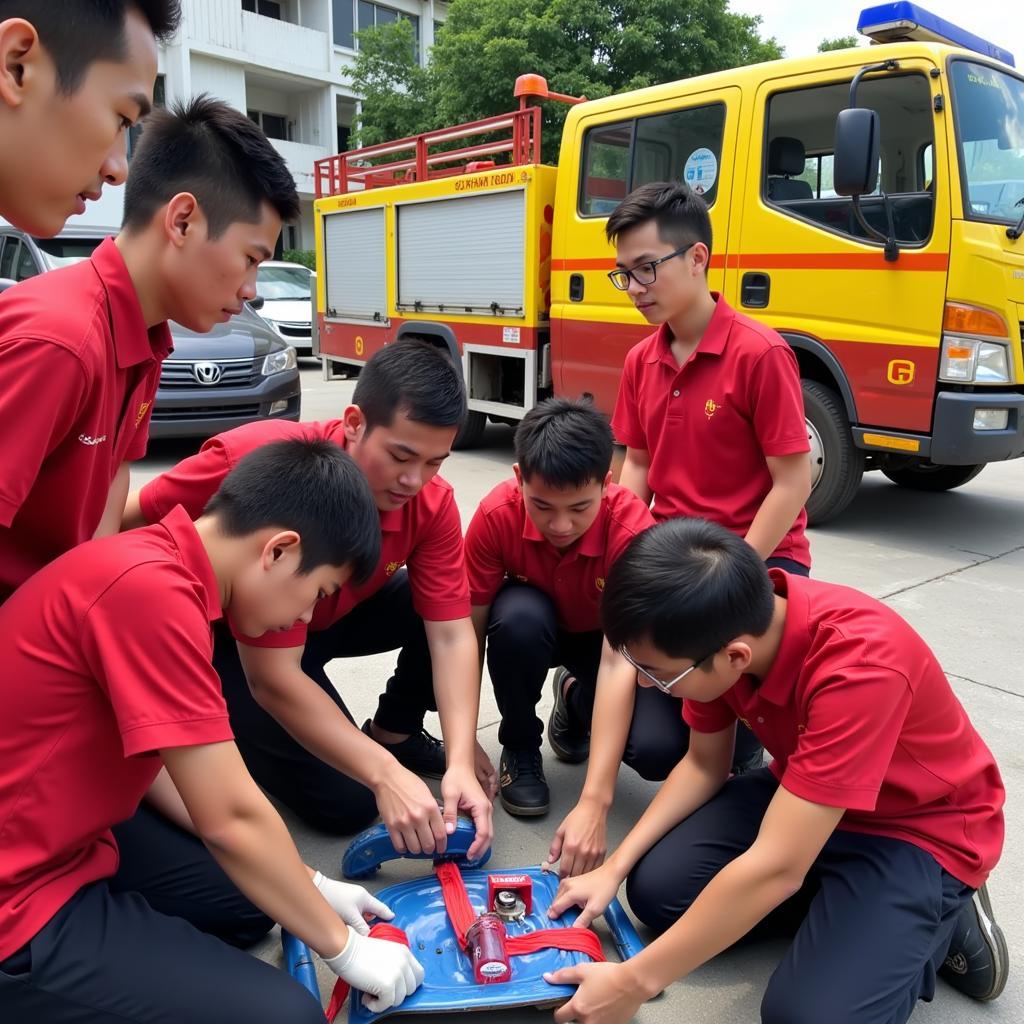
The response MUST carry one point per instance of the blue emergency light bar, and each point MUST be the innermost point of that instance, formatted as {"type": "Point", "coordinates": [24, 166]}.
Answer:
{"type": "Point", "coordinates": [898, 22]}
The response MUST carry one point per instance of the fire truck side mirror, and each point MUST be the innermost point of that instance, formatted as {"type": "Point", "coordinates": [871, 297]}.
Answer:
{"type": "Point", "coordinates": [857, 150]}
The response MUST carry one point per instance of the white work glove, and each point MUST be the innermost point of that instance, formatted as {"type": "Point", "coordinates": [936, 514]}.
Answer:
{"type": "Point", "coordinates": [386, 972]}
{"type": "Point", "coordinates": [350, 902]}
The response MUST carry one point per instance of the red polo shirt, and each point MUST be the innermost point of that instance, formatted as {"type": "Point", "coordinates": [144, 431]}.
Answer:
{"type": "Point", "coordinates": [80, 372]}
{"type": "Point", "coordinates": [858, 714]}
{"type": "Point", "coordinates": [709, 424]}
{"type": "Point", "coordinates": [105, 661]}
{"type": "Point", "coordinates": [425, 533]}
{"type": "Point", "coordinates": [503, 542]}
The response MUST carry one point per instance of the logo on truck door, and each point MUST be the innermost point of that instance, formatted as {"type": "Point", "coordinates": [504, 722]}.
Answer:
{"type": "Point", "coordinates": [900, 371]}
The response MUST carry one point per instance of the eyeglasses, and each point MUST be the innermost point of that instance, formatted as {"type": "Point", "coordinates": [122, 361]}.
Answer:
{"type": "Point", "coordinates": [644, 273]}
{"type": "Point", "coordinates": [664, 685]}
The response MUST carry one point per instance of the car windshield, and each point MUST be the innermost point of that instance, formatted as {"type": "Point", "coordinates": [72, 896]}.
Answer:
{"type": "Point", "coordinates": [283, 283]}
{"type": "Point", "coordinates": [989, 107]}
{"type": "Point", "coordinates": [62, 252]}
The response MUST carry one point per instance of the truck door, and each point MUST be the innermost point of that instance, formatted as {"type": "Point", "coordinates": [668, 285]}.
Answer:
{"type": "Point", "coordinates": [689, 138]}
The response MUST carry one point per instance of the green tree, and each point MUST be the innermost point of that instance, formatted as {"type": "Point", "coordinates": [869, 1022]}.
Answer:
{"type": "Point", "coordinates": [839, 43]}
{"type": "Point", "coordinates": [395, 89]}
{"type": "Point", "coordinates": [582, 47]}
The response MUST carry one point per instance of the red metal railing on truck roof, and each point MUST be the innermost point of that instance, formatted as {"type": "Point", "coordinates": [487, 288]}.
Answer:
{"type": "Point", "coordinates": [415, 160]}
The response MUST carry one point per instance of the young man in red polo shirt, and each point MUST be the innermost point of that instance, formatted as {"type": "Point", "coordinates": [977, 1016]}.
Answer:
{"type": "Point", "coordinates": [108, 693]}
{"type": "Point", "coordinates": [710, 407]}
{"type": "Point", "coordinates": [81, 347]}
{"type": "Point", "coordinates": [872, 831]}
{"type": "Point", "coordinates": [539, 550]}
{"type": "Point", "coordinates": [70, 88]}
{"type": "Point", "coordinates": [295, 732]}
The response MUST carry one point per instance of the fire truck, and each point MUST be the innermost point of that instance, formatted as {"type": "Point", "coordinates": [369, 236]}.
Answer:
{"type": "Point", "coordinates": [867, 203]}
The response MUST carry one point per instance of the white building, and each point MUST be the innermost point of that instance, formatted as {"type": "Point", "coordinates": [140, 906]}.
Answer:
{"type": "Point", "coordinates": [283, 62]}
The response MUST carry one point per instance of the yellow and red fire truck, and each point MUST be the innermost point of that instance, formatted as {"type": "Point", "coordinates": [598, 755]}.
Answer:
{"type": "Point", "coordinates": [867, 203]}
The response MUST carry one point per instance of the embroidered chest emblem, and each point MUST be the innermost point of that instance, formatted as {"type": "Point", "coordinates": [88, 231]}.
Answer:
{"type": "Point", "coordinates": [522, 579]}
{"type": "Point", "coordinates": [143, 407]}
{"type": "Point", "coordinates": [392, 567]}
{"type": "Point", "coordinates": [89, 441]}
{"type": "Point", "coordinates": [711, 407]}
{"type": "Point", "coordinates": [599, 583]}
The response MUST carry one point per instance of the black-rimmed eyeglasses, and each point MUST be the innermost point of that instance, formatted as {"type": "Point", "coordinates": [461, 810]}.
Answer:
{"type": "Point", "coordinates": [644, 273]}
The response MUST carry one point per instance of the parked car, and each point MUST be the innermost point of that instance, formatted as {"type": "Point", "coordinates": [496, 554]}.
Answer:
{"type": "Point", "coordinates": [287, 291]}
{"type": "Point", "coordinates": [240, 371]}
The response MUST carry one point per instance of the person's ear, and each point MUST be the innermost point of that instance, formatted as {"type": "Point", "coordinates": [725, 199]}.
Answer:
{"type": "Point", "coordinates": [183, 220]}
{"type": "Point", "coordinates": [607, 481]}
{"type": "Point", "coordinates": [353, 423]}
{"type": "Point", "coordinates": [281, 550]}
{"type": "Point", "coordinates": [739, 655]}
{"type": "Point", "coordinates": [701, 258]}
{"type": "Point", "coordinates": [518, 474]}
{"type": "Point", "coordinates": [21, 60]}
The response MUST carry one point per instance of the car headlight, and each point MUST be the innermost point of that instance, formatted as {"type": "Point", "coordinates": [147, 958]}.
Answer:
{"type": "Point", "coordinates": [972, 360]}
{"type": "Point", "coordinates": [278, 362]}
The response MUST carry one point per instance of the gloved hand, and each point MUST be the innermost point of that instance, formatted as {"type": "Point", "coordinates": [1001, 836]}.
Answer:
{"type": "Point", "coordinates": [350, 902]}
{"type": "Point", "coordinates": [386, 972]}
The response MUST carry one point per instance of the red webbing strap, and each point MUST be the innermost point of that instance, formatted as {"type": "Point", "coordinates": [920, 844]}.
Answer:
{"type": "Point", "coordinates": [462, 915]}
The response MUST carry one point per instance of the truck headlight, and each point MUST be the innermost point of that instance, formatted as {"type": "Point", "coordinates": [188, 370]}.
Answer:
{"type": "Point", "coordinates": [278, 362]}
{"type": "Point", "coordinates": [973, 360]}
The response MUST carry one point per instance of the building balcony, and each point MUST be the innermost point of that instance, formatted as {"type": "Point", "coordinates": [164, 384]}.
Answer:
{"type": "Point", "coordinates": [300, 158]}
{"type": "Point", "coordinates": [221, 27]}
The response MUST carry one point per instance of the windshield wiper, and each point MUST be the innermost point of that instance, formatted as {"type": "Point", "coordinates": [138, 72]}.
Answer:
{"type": "Point", "coordinates": [1014, 233]}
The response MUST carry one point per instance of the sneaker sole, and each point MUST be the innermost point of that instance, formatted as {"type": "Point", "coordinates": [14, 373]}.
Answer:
{"type": "Point", "coordinates": [568, 756]}
{"type": "Point", "coordinates": [996, 942]}
{"type": "Point", "coordinates": [524, 812]}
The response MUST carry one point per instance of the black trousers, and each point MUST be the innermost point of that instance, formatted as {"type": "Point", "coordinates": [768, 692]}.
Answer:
{"type": "Point", "coordinates": [872, 923]}
{"type": "Point", "coordinates": [524, 642]}
{"type": "Point", "coordinates": [146, 945]}
{"type": "Point", "coordinates": [328, 799]}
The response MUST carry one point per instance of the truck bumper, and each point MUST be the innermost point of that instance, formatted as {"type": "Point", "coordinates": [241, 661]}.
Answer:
{"type": "Point", "coordinates": [956, 442]}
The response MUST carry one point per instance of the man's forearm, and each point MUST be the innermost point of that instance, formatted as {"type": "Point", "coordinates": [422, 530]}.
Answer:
{"type": "Point", "coordinates": [634, 478]}
{"type": "Point", "coordinates": [613, 713]}
{"type": "Point", "coordinates": [775, 518]}
{"type": "Point", "coordinates": [110, 522]}
{"type": "Point", "coordinates": [456, 671]}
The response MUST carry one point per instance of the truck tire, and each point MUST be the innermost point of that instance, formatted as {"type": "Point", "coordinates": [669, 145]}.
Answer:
{"type": "Point", "coordinates": [927, 477]}
{"type": "Point", "coordinates": [471, 433]}
{"type": "Point", "coordinates": [837, 464]}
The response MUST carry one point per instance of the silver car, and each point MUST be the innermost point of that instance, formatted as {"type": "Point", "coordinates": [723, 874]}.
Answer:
{"type": "Point", "coordinates": [236, 373]}
{"type": "Point", "coordinates": [287, 291]}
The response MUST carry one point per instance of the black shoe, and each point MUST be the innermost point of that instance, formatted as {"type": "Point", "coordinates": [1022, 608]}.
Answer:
{"type": "Point", "coordinates": [977, 962]}
{"type": "Point", "coordinates": [523, 788]}
{"type": "Point", "coordinates": [750, 763]}
{"type": "Point", "coordinates": [569, 742]}
{"type": "Point", "coordinates": [420, 753]}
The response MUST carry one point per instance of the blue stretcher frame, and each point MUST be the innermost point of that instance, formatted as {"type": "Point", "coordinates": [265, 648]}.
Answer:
{"type": "Point", "coordinates": [448, 984]}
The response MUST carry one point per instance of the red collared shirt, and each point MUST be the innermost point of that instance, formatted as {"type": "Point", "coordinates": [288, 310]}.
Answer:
{"type": "Point", "coordinates": [425, 533]}
{"type": "Point", "coordinates": [80, 372]}
{"type": "Point", "coordinates": [105, 661]}
{"type": "Point", "coordinates": [710, 424]}
{"type": "Point", "coordinates": [858, 714]}
{"type": "Point", "coordinates": [502, 543]}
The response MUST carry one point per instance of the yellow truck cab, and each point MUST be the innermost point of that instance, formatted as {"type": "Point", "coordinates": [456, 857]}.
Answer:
{"type": "Point", "coordinates": [866, 203]}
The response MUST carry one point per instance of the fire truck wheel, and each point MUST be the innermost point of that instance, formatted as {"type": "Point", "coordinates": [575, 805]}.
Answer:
{"type": "Point", "coordinates": [471, 433]}
{"type": "Point", "coordinates": [924, 476]}
{"type": "Point", "coordinates": [837, 464]}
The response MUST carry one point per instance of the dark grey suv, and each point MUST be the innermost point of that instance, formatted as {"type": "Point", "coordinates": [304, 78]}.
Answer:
{"type": "Point", "coordinates": [238, 372]}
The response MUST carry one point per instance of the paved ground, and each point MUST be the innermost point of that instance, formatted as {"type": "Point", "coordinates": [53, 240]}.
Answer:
{"type": "Point", "coordinates": [952, 564]}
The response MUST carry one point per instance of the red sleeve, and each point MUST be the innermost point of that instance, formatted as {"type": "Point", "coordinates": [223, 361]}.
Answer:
{"type": "Point", "coordinates": [437, 567]}
{"type": "Point", "coordinates": [777, 403]}
{"type": "Point", "coordinates": [137, 448]}
{"type": "Point", "coordinates": [42, 393]}
{"type": "Point", "coordinates": [155, 666]}
{"type": "Point", "coordinates": [626, 423]}
{"type": "Point", "coordinates": [631, 519]}
{"type": "Point", "coordinates": [191, 483]}
{"type": "Point", "coordinates": [852, 720]}
{"type": "Point", "coordinates": [484, 564]}
{"type": "Point", "coordinates": [713, 716]}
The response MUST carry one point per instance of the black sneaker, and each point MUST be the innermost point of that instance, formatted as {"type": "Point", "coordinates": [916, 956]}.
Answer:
{"type": "Point", "coordinates": [977, 963]}
{"type": "Point", "coordinates": [420, 753]}
{"type": "Point", "coordinates": [523, 788]}
{"type": "Point", "coordinates": [569, 742]}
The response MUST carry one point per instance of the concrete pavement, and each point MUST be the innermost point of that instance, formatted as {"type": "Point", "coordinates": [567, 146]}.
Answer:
{"type": "Point", "coordinates": [952, 564]}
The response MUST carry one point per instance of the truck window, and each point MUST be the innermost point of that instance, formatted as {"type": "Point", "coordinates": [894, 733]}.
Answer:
{"type": "Point", "coordinates": [799, 136]}
{"type": "Point", "coordinates": [681, 145]}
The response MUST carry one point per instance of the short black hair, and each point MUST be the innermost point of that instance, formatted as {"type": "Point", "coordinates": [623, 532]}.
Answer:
{"type": "Point", "coordinates": [414, 377]}
{"type": "Point", "coordinates": [688, 587]}
{"type": "Point", "coordinates": [78, 35]}
{"type": "Point", "coordinates": [206, 147]}
{"type": "Point", "coordinates": [566, 443]}
{"type": "Point", "coordinates": [681, 214]}
{"type": "Point", "coordinates": [310, 486]}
